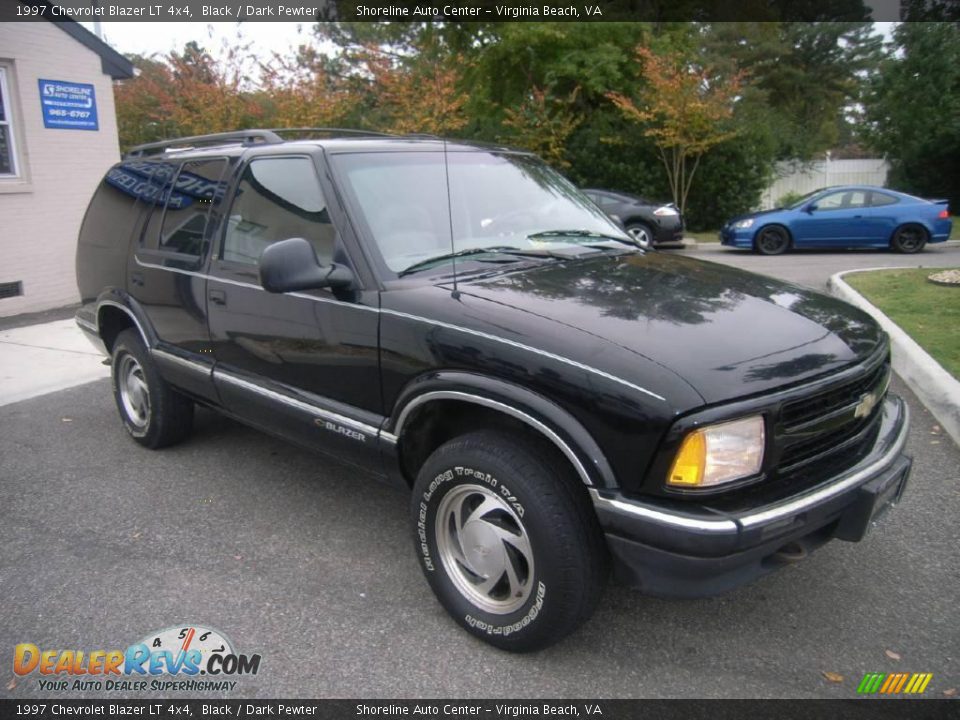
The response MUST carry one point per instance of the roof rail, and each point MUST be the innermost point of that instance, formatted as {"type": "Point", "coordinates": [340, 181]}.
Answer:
{"type": "Point", "coordinates": [330, 131]}
{"type": "Point", "coordinates": [245, 137]}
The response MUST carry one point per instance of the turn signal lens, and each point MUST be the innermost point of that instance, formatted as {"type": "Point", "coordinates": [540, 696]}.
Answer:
{"type": "Point", "coordinates": [687, 470]}
{"type": "Point", "coordinates": [718, 454]}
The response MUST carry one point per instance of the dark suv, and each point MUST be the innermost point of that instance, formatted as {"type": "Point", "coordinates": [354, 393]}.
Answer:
{"type": "Point", "coordinates": [460, 320]}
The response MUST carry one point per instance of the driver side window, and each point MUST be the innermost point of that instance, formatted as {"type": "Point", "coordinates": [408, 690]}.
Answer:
{"type": "Point", "coordinates": [277, 199]}
{"type": "Point", "coordinates": [843, 200]}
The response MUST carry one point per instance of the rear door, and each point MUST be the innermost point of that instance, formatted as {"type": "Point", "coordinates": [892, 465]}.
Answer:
{"type": "Point", "coordinates": [303, 364]}
{"type": "Point", "coordinates": [164, 274]}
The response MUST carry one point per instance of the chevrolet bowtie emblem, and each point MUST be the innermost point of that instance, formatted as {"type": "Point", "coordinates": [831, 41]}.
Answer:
{"type": "Point", "coordinates": [867, 402]}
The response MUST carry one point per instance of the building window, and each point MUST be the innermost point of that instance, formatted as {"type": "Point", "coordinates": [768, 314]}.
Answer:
{"type": "Point", "coordinates": [8, 150]}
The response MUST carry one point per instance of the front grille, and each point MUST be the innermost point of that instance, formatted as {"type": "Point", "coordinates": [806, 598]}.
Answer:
{"type": "Point", "coordinates": [801, 412]}
{"type": "Point", "coordinates": [827, 425]}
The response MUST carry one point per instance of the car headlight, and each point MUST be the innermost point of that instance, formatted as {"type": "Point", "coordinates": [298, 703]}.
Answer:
{"type": "Point", "coordinates": [743, 224]}
{"type": "Point", "coordinates": [719, 453]}
{"type": "Point", "coordinates": [666, 211]}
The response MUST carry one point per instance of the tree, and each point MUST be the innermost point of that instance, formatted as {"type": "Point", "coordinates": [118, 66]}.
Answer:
{"type": "Point", "coordinates": [913, 110]}
{"type": "Point", "coordinates": [416, 95]}
{"type": "Point", "coordinates": [542, 123]}
{"type": "Point", "coordinates": [686, 110]}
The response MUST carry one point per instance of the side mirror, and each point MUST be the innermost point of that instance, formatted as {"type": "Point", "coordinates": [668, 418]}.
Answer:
{"type": "Point", "coordinates": [811, 207]}
{"type": "Point", "coordinates": [291, 265]}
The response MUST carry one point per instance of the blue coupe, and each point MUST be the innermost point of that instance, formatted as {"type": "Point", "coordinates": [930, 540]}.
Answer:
{"type": "Point", "coordinates": [843, 217]}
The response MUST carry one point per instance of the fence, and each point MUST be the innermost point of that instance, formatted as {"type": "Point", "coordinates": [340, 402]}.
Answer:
{"type": "Point", "coordinates": [797, 177]}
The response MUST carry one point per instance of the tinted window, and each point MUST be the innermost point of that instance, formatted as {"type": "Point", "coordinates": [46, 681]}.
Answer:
{"type": "Point", "coordinates": [155, 192]}
{"type": "Point", "coordinates": [116, 205]}
{"type": "Point", "coordinates": [881, 199]}
{"type": "Point", "coordinates": [277, 199]}
{"type": "Point", "coordinates": [198, 187]}
{"type": "Point", "coordinates": [843, 200]}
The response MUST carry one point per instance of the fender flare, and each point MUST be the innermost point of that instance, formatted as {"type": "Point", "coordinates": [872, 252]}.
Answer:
{"type": "Point", "coordinates": [545, 416]}
{"type": "Point", "coordinates": [129, 306]}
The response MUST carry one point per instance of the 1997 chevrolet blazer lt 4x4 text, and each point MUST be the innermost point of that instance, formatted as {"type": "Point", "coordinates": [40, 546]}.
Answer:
{"type": "Point", "coordinates": [461, 320]}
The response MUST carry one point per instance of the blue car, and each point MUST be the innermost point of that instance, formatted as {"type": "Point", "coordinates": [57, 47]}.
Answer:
{"type": "Point", "coordinates": [858, 216]}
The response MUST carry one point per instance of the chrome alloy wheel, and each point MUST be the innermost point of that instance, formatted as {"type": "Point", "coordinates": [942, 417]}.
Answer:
{"type": "Point", "coordinates": [485, 549]}
{"type": "Point", "coordinates": [134, 393]}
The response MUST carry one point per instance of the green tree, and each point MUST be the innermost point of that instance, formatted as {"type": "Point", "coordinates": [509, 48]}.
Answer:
{"type": "Point", "coordinates": [913, 110]}
{"type": "Point", "coordinates": [685, 110]}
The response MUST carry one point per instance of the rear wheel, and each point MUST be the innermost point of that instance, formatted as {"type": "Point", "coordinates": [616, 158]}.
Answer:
{"type": "Point", "coordinates": [507, 540]}
{"type": "Point", "coordinates": [153, 413]}
{"type": "Point", "coordinates": [772, 240]}
{"type": "Point", "coordinates": [909, 239]}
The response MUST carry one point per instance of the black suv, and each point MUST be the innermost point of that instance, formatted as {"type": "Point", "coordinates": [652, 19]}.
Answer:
{"type": "Point", "coordinates": [462, 321]}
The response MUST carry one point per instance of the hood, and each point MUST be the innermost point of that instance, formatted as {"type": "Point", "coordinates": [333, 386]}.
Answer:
{"type": "Point", "coordinates": [758, 213]}
{"type": "Point", "coordinates": [726, 332]}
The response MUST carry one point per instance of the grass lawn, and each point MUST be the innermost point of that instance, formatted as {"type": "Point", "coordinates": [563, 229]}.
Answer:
{"type": "Point", "coordinates": [955, 230]}
{"type": "Point", "coordinates": [928, 313]}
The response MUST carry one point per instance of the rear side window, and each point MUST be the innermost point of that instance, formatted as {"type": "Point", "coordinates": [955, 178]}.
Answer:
{"type": "Point", "coordinates": [277, 199]}
{"type": "Point", "coordinates": [115, 207]}
{"type": "Point", "coordinates": [881, 199]}
{"type": "Point", "coordinates": [156, 194]}
{"type": "Point", "coordinates": [197, 189]}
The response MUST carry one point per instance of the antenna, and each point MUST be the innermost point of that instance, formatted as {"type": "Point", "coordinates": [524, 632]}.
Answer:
{"type": "Point", "coordinates": [453, 249]}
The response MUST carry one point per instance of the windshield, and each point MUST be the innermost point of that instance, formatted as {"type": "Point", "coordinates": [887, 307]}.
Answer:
{"type": "Point", "coordinates": [804, 200]}
{"type": "Point", "coordinates": [496, 200]}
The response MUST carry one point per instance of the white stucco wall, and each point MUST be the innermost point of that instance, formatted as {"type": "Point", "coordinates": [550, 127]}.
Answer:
{"type": "Point", "coordinates": [40, 213]}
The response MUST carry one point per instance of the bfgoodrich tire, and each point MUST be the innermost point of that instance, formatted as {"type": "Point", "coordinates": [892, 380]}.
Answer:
{"type": "Point", "coordinates": [507, 540]}
{"type": "Point", "coordinates": [152, 412]}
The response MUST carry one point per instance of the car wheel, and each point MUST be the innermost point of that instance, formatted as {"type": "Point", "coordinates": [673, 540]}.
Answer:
{"type": "Point", "coordinates": [641, 233]}
{"type": "Point", "coordinates": [772, 240]}
{"type": "Point", "coordinates": [909, 239]}
{"type": "Point", "coordinates": [507, 540]}
{"type": "Point", "coordinates": [152, 412]}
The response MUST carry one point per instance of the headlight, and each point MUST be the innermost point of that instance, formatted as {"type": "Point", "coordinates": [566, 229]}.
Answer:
{"type": "Point", "coordinates": [744, 223]}
{"type": "Point", "coordinates": [718, 454]}
{"type": "Point", "coordinates": [666, 210]}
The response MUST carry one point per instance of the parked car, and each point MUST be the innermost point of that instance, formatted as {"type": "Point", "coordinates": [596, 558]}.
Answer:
{"type": "Point", "coordinates": [858, 216]}
{"type": "Point", "coordinates": [462, 322]}
{"type": "Point", "coordinates": [655, 223]}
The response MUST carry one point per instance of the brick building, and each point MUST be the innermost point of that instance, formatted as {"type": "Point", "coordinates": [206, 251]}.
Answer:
{"type": "Point", "coordinates": [58, 135]}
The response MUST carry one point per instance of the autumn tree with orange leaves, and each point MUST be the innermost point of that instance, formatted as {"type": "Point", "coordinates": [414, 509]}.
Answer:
{"type": "Point", "coordinates": [188, 93]}
{"type": "Point", "coordinates": [542, 123]}
{"type": "Point", "coordinates": [419, 96]}
{"type": "Point", "coordinates": [685, 109]}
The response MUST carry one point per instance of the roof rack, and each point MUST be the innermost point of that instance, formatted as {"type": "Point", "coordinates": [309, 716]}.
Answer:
{"type": "Point", "coordinates": [330, 131]}
{"type": "Point", "coordinates": [269, 136]}
{"type": "Point", "coordinates": [245, 137]}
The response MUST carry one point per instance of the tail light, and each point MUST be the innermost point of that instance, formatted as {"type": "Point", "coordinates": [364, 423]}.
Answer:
{"type": "Point", "coordinates": [944, 214]}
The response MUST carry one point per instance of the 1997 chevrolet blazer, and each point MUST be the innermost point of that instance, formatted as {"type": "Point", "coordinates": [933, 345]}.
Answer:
{"type": "Point", "coordinates": [461, 320]}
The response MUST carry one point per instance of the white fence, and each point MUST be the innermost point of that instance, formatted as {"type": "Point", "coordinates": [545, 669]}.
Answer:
{"type": "Point", "coordinates": [797, 177]}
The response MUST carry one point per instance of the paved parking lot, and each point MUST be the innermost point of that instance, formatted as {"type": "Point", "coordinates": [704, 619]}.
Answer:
{"type": "Point", "coordinates": [310, 564]}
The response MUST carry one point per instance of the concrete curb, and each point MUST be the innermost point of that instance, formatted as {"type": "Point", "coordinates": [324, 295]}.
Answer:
{"type": "Point", "coordinates": [935, 387]}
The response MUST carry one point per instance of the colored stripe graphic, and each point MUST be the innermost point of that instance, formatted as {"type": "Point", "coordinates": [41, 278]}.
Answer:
{"type": "Point", "coordinates": [894, 683]}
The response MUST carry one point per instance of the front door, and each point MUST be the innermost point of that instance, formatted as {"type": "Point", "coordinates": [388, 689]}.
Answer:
{"type": "Point", "coordinates": [302, 364]}
{"type": "Point", "coordinates": [837, 220]}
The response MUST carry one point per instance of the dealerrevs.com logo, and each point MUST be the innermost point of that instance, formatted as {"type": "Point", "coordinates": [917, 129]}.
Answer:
{"type": "Point", "coordinates": [192, 658]}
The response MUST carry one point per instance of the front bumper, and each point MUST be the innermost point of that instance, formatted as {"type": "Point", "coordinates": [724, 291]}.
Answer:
{"type": "Point", "coordinates": [704, 552]}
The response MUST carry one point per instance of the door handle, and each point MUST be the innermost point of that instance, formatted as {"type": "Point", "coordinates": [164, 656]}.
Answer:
{"type": "Point", "coordinates": [218, 296]}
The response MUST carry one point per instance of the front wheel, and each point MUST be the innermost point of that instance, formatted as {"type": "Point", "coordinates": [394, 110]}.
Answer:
{"type": "Point", "coordinates": [772, 241]}
{"type": "Point", "coordinates": [507, 540]}
{"type": "Point", "coordinates": [641, 234]}
{"type": "Point", "coordinates": [909, 239]}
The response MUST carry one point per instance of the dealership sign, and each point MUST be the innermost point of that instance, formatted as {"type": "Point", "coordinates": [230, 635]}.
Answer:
{"type": "Point", "coordinates": [68, 105]}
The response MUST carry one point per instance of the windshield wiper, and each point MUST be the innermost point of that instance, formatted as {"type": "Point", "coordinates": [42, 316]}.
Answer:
{"type": "Point", "coordinates": [582, 234]}
{"type": "Point", "coordinates": [504, 250]}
